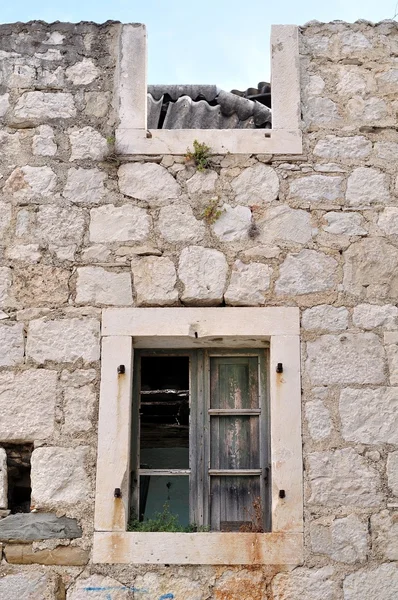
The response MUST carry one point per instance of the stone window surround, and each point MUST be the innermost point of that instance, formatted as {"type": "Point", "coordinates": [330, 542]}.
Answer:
{"type": "Point", "coordinates": [132, 136]}
{"type": "Point", "coordinates": [126, 328]}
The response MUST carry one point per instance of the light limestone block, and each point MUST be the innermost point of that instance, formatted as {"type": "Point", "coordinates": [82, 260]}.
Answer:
{"type": "Point", "coordinates": [343, 478]}
{"type": "Point", "coordinates": [78, 409]}
{"type": "Point", "coordinates": [366, 110]}
{"type": "Point", "coordinates": [318, 419]}
{"type": "Point", "coordinates": [41, 285]}
{"type": "Point", "coordinates": [11, 344]}
{"type": "Point", "coordinates": [315, 86]}
{"type": "Point", "coordinates": [345, 359]}
{"type": "Point", "coordinates": [202, 183]}
{"type": "Point", "coordinates": [344, 540]}
{"type": "Point", "coordinates": [83, 72]}
{"type": "Point", "coordinates": [367, 584]}
{"type": "Point", "coordinates": [384, 527]}
{"type": "Point", "coordinates": [4, 104]}
{"type": "Point", "coordinates": [329, 318]}
{"type": "Point", "coordinates": [60, 226]}
{"type": "Point", "coordinates": [148, 181]}
{"type": "Point", "coordinates": [63, 340]}
{"type": "Point", "coordinates": [392, 356]}
{"type": "Point", "coordinates": [125, 223]}
{"type": "Point", "coordinates": [31, 183]}
{"type": "Point", "coordinates": [389, 80]}
{"type": "Point", "coordinates": [183, 586]}
{"type": "Point", "coordinates": [305, 273]}
{"type": "Point", "coordinates": [97, 103]}
{"type": "Point", "coordinates": [369, 316]}
{"type": "Point", "coordinates": [369, 416]}
{"type": "Point", "coordinates": [54, 38]}
{"type": "Point", "coordinates": [233, 223]}
{"type": "Point", "coordinates": [386, 151]}
{"type": "Point", "coordinates": [353, 43]}
{"type": "Point", "coordinates": [317, 189]}
{"type": "Point", "coordinates": [85, 186]}
{"type": "Point", "coordinates": [87, 143]}
{"type": "Point", "coordinates": [351, 81]}
{"type": "Point", "coordinates": [77, 378]}
{"type": "Point", "coordinates": [96, 285]}
{"type": "Point", "coordinates": [177, 224]}
{"type": "Point", "coordinates": [344, 223]}
{"type": "Point", "coordinates": [5, 219]}
{"type": "Point", "coordinates": [34, 108]}
{"type": "Point", "coordinates": [5, 285]}
{"type": "Point", "coordinates": [27, 405]}
{"type": "Point", "coordinates": [3, 479]}
{"type": "Point", "coordinates": [43, 142]}
{"type": "Point", "coordinates": [370, 271]}
{"type": "Point", "coordinates": [203, 272]}
{"type": "Point", "coordinates": [154, 281]}
{"type": "Point", "coordinates": [311, 584]}
{"type": "Point", "coordinates": [282, 224]}
{"type": "Point", "coordinates": [81, 589]}
{"type": "Point", "coordinates": [343, 148]}
{"type": "Point", "coordinates": [58, 476]}
{"type": "Point", "coordinates": [367, 186]}
{"type": "Point", "coordinates": [321, 111]}
{"type": "Point", "coordinates": [97, 253]}
{"type": "Point", "coordinates": [388, 220]}
{"type": "Point", "coordinates": [30, 585]}
{"type": "Point", "coordinates": [319, 45]}
{"type": "Point", "coordinates": [249, 284]}
{"type": "Point", "coordinates": [392, 472]}
{"type": "Point", "coordinates": [256, 185]}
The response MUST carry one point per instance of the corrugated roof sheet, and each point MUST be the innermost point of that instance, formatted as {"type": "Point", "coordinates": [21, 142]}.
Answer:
{"type": "Point", "coordinates": [207, 107]}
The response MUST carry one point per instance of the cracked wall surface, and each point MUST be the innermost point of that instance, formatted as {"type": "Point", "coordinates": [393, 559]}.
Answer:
{"type": "Point", "coordinates": [80, 231]}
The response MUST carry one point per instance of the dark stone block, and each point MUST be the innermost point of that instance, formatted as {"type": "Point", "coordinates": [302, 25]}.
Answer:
{"type": "Point", "coordinates": [28, 527]}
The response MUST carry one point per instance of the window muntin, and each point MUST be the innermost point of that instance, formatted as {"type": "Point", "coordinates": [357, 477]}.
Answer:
{"type": "Point", "coordinates": [225, 411]}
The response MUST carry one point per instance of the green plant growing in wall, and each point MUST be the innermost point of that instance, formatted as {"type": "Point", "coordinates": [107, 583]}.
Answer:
{"type": "Point", "coordinates": [163, 521]}
{"type": "Point", "coordinates": [200, 155]}
{"type": "Point", "coordinates": [212, 211]}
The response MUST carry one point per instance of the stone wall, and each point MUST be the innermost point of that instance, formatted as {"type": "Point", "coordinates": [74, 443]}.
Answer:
{"type": "Point", "coordinates": [80, 231]}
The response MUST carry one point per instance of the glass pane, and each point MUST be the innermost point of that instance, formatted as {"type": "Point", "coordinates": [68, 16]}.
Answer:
{"type": "Point", "coordinates": [236, 504]}
{"type": "Point", "coordinates": [234, 382]}
{"type": "Point", "coordinates": [162, 495]}
{"type": "Point", "coordinates": [234, 442]}
{"type": "Point", "coordinates": [164, 412]}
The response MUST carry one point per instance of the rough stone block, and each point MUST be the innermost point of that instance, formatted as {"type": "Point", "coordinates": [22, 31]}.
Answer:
{"type": "Point", "coordinates": [249, 284]}
{"type": "Point", "coordinates": [177, 224]}
{"type": "Point", "coordinates": [58, 226]}
{"type": "Point", "coordinates": [311, 584]}
{"type": "Point", "coordinates": [317, 189]}
{"type": "Point", "coordinates": [87, 143]}
{"type": "Point", "coordinates": [369, 316]}
{"type": "Point", "coordinates": [343, 478]}
{"type": "Point", "coordinates": [125, 223]}
{"type": "Point", "coordinates": [83, 72]}
{"type": "Point", "coordinates": [5, 285]}
{"type": "Point", "coordinates": [345, 359]}
{"type": "Point", "coordinates": [369, 416]}
{"type": "Point", "coordinates": [203, 272]}
{"type": "Point", "coordinates": [41, 285]}
{"type": "Point", "coordinates": [63, 340]}
{"type": "Point", "coordinates": [384, 527]}
{"type": "Point", "coordinates": [369, 110]}
{"type": "Point", "coordinates": [370, 270]}
{"type": "Point", "coordinates": [392, 472]}
{"type": "Point", "coordinates": [202, 183]}
{"type": "Point", "coordinates": [392, 356]}
{"type": "Point", "coordinates": [23, 253]}
{"type": "Point", "coordinates": [388, 220]}
{"type": "Point", "coordinates": [43, 143]}
{"type": "Point", "coordinates": [96, 285]}
{"type": "Point", "coordinates": [305, 273]}
{"type": "Point", "coordinates": [351, 81]}
{"type": "Point", "coordinates": [256, 185]}
{"type": "Point", "coordinates": [322, 111]}
{"type": "Point", "coordinates": [353, 43]}
{"type": "Point", "coordinates": [34, 108]}
{"type": "Point", "coordinates": [79, 409]}
{"type": "Point", "coordinates": [31, 183]}
{"type": "Point", "coordinates": [4, 104]}
{"type": "Point", "coordinates": [367, 186]}
{"type": "Point", "coordinates": [340, 223]}
{"type": "Point", "coordinates": [27, 405]}
{"type": "Point", "coordinates": [85, 186]}
{"type": "Point", "coordinates": [5, 219]}
{"type": "Point", "coordinates": [285, 225]}
{"type": "Point", "coordinates": [97, 103]}
{"type": "Point", "coordinates": [353, 148]}
{"type": "Point", "coordinates": [367, 584]}
{"type": "Point", "coordinates": [148, 181]}
{"type": "Point", "coordinates": [387, 151]}
{"type": "Point", "coordinates": [318, 419]}
{"type": "Point", "coordinates": [154, 281]}
{"type": "Point", "coordinates": [30, 585]}
{"type": "Point", "coordinates": [83, 589]}
{"type": "Point", "coordinates": [22, 554]}
{"type": "Point", "coordinates": [30, 527]}
{"type": "Point", "coordinates": [3, 480]}
{"type": "Point", "coordinates": [11, 344]}
{"type": "Point", "coordinates": [59, 477]}
{"type": "Point", "coordinates": [233, 223]}
{"type": "Point", "coordinates": [344, 540]}
{"type": "Point", "coordinates": [328, 318]}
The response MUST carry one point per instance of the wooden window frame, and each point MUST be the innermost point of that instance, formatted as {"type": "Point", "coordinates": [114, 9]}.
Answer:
{"type": "Point", "coordinates": [126, 329]}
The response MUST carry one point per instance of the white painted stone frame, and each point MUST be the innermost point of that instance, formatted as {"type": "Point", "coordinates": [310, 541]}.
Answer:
{"type": "Point", "coordinates": [127, 328]}
{"type": "Point", "coordinates": [133, 137]}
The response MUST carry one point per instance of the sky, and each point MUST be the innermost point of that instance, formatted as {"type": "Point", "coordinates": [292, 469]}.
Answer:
{"type": "Point", "coordinates": [222, 42]}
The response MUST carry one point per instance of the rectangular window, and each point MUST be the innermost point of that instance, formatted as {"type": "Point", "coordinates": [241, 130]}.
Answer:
{"type": "Point", "coordinates": [200, 439]}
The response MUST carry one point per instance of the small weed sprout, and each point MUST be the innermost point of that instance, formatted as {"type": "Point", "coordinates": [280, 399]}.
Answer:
{"type": "Point", "coordinates": [212, 212]}
{"type": "Point", "coordinates": [200, 155]}
{"type": "Point", "coordinates": [163, 521]}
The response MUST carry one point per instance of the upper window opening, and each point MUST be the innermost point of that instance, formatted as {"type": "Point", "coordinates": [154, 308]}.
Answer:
{"type": "Point", "coordinates": [208, 107]}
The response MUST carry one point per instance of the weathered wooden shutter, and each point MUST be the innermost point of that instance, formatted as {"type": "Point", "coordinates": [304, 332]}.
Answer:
{"type": "Point", "coordinates": [238, 444]}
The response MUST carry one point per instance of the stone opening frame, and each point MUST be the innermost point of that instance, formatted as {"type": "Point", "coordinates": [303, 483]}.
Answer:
{"type": "Point", "coordinates": [127, 328]}
{"type": "Point", "coordinates": [132, 136]}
